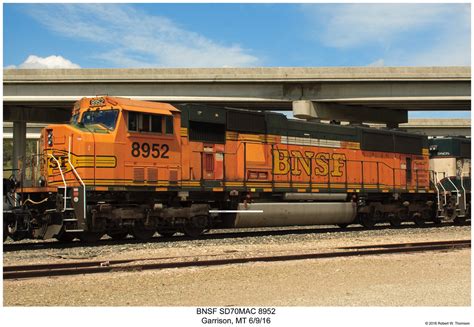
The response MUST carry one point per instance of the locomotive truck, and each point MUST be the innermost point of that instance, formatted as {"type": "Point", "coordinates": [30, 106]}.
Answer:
{"type": "Point", "coordinates": [123, 166]}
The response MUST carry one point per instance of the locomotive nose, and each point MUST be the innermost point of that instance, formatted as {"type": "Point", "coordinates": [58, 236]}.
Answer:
{"type": "Point", "coordinates": [56, 145]}
{"type": "Point", "coordinates": [54, 136]}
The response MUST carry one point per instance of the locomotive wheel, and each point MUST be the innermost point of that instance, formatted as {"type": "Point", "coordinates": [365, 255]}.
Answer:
{"type": "Point", "coordinates": [195, 226]}
{"type": "Point", "coordinates": [90, 237]}
{"type": "Point", "coordinates": [192, 230]}
{"type": "Point", "coordinates": [166, 232]}
{"type": "Point", "coordinates": [343, 226]}
{"type": "Point", "coordinates": [117, 235]}
{"type": "Point", "coordinates": [436, 221]}
{"type": "Point", "coordinates": [366, 220]}
{"type": "Point", "coordinates": [141, 233]}
{"type": "Point", "coordinates": [5, 230]}
{"type": "Point", "coordinates": [65, 237]}
{"type": "Point", "coordinates": [395, 221]}
{"type": "Point", "coordinates": [419, 219]}
{"type": "Point", "coordinates": [459, 220]}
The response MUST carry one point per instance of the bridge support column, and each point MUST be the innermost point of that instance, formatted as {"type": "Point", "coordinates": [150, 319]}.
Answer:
{"type": "Point", "coordinates": [306, 109]}
{"type": "Point", "coordinates": [19, 143]}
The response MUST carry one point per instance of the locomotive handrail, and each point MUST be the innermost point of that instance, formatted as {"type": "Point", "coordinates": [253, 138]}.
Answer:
{"type": "Point", "coordinates": [444, 189]}
{"type": "Point", "coordinates": [64, 180]}
{"type": "Point", "coordinates": [457, 191]}
{"type": "Point", "coordinates": [77, 175]}
{"type": "Point", "coordinates": [464, 191]}
{"type": "Point", "coordinates": [435, 176]}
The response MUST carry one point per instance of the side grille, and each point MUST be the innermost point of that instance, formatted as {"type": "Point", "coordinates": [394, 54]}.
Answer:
{"type": "Point", "coordinates": [152, 174]}
{"type": "Point", "coordinates": [173, 175]}
{"type": "Point", "coordinates": [138, 174]}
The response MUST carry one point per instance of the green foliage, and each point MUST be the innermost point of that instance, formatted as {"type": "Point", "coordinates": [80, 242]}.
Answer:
{"type": "Point", "coordinates": [31, 149]}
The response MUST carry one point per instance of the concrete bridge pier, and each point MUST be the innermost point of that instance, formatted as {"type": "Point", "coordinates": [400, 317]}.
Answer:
{"type": "Point", "coordinates": [19, 144]}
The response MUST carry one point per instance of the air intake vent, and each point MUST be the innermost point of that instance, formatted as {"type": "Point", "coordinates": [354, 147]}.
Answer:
{"type": "Point", "coordinates": [152, 174]}
{"type": "Point", "coordinates": [173, 175]}
{"type": "Point", "coordinates": [138, 174]}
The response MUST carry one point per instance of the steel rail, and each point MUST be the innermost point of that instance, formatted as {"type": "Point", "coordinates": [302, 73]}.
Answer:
{"type": "Point", "coordinates": [217, 235]}
{"type": "Point", "coordinates": [113, 266]}
{"type": "Point", "coordinates": [392, 245]}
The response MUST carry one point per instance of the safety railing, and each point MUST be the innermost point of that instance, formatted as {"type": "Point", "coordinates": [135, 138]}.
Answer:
{"type": "Point", "coordinates": [438, 194]}
{"type": "Point", "coordinates": [64, 182]}
{"type": "Point", "coordinates": [78, 177]}
{"type": "Point", "coordinates": [464, 190]}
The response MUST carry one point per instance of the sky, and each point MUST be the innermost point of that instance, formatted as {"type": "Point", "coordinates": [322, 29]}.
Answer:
{"type": "Point", "coordinates": [236, 35]}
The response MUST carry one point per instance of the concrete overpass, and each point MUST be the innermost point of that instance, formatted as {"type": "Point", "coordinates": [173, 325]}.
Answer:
{"type": "Point", "coordinates": [364, 94]}
{"type": "Point", "coordinates": [349, 88]}
{"type": "Point", "coordinates": [436, 127]}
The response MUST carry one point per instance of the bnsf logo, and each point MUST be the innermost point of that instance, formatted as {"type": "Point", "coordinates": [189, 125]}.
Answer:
{"type": "Point", "coordinates": [309, 163]}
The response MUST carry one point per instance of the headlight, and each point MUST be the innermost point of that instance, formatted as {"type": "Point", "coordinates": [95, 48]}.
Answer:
{"type": "Point", "coordinates": [50, 137]}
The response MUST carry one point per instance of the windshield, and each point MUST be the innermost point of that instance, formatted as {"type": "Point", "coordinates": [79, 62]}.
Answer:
{"type": "Point", "coordinates": [105, 118]}
{"type": "Point", "coordinates": [74, 119]}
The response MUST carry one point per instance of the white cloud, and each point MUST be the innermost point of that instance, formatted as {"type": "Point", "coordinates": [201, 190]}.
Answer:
{"type": "Point", "coordinates": [377, 63]}
{"type": "Point", "coordinates": [406, 34]}
{"type": "Point", "coordinates": [357, 24]}
{"type": "Point", "coordinates": [453, 45]}
{"type": "Point", "coordinates": [138, 39]}
{"type": "Point", "coordinates": [47, 62]}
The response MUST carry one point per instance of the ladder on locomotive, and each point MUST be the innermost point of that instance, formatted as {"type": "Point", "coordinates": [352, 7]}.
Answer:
{"type": "Point", "coordinates": [67, 195]}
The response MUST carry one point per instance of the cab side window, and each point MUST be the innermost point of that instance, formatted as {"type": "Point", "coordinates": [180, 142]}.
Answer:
{"type": "Point", "coordinates": [156, 124]}
{"type": "Point", "coordinates": [132, 121]}
{"type": "Point", "coordinates": [169, 124]}
{"type": "Point", "coordinates": [148, 123]}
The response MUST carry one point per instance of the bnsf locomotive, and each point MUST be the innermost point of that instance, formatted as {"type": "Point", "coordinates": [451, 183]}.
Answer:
{"type": "Point", "coordinates": [133, 167]}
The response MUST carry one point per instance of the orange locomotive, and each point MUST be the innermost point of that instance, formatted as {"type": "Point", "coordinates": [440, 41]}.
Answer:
{"type": "Point", "coordinates": [124, 166]}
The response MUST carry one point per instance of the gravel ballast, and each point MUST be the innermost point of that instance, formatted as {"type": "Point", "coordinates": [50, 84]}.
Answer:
{"type": "Point", "coordinates": [421, 279]}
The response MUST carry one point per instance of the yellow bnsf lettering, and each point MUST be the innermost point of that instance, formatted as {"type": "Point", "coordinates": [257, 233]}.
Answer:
{"type": "Point", "coordinates": [300, 161]}
{"type": "Point", "coordinates": [338, 162]}
{"type": "Point", "coordinates": [318, 163]}
{"type": "Point", "coordinates": [281, 162]}
{"type": "Point", "coordinates": [322, 164]}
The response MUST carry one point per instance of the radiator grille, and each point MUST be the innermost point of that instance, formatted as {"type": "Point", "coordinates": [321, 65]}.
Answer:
{"type": "Point", "coordinates": [173, 175]}
{"type": "Point", "coordinates": [138, 174]}
{"type": "Point", "coordinates": [152, 174]}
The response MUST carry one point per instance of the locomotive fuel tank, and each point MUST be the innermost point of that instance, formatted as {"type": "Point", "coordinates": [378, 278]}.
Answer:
{"type": "Point", "coordinates": [295, 213]}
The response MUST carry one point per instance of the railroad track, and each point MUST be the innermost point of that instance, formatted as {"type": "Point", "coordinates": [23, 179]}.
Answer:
{"type": "Point", "coordinates": [140, 264]}
{"type": "Point", "coordinates": [216, 235]}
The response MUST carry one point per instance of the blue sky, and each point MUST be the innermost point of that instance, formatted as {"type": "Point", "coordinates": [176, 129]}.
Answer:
{"type": "Point", "coordinates": [235, 35]}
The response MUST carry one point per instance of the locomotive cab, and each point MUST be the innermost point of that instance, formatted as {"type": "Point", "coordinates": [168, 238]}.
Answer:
{"type": "Point", "coordinates": [110, 140]}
